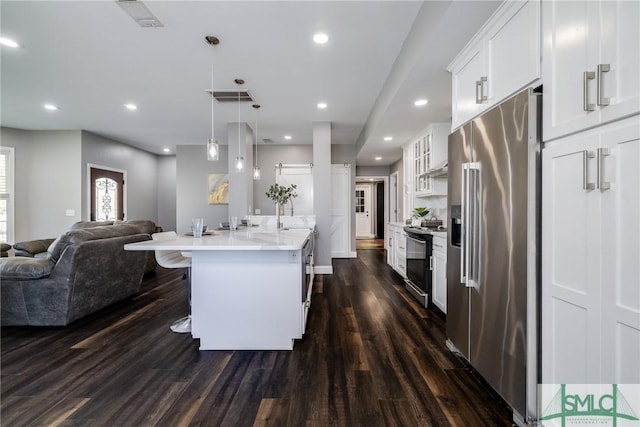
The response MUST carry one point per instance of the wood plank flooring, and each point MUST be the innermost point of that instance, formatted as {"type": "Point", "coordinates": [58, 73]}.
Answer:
{"type": "Point", "coordinates": [371, 357]}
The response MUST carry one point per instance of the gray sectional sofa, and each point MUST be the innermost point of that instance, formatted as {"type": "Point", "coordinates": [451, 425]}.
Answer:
{"type": "Point", "coordinates": [85, 269]}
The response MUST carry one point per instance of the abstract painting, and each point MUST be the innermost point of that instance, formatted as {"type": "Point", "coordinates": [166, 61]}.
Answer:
{"type": "Point", "coordinates": [218, 188]}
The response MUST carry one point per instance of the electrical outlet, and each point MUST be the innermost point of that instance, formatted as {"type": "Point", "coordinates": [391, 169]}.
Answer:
{"type": "Point", "coordinates": [70, 212]}
{"type": "Point", "coordinates": [258, 211]}
{"type": "Point", "coordinates": [294, 257]}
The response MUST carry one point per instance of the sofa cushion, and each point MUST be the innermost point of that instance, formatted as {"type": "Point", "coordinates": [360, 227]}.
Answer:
{"type": "Point", "coordinates": [17, 268]}
{"type": "Point", "coordinates": [84, 234]}
{"type": "Point", "coordinates": [89, 224]}
{"type": "Point", "coordinates": [33, 247]}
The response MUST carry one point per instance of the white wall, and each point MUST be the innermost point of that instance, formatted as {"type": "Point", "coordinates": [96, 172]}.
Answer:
{"type": "Point", "coordinates": [192, 169]}
{"type": "Point", "coordinates": [141, 174]}
{"type": "Point", "coordinates": [47, 181]}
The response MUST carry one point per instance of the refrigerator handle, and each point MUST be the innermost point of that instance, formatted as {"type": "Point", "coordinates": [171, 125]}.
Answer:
{"type": "Point", "coordinates": [465, 245]}
{"type": "Point", "coordinates": [463, 225]}
{"type": "Point", "coordinates": [473, 221]}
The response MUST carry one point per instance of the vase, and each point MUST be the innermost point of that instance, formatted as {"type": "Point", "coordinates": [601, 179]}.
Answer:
{"type": "Point", "coordinates": [279, 213]}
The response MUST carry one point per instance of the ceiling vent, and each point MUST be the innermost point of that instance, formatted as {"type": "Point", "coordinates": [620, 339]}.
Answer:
{"type": "Point", "coordinates": [267, 140]}
{"type": "Point", "coordinates": [140, 13]}
{"type": "Point", "coordinates": [232, 96]}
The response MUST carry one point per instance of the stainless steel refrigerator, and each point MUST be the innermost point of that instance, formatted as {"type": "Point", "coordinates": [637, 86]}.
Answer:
{"type": "Point", "coordinates": [493, 261]}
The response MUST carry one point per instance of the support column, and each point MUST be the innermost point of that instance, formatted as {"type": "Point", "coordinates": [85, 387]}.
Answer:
{"type": "Point", "coordinates": [240, 183]}
{"type": "Point", "coordinates": [322, 195]}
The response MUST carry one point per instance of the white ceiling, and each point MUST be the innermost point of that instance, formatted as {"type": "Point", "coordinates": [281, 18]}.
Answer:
{"type": "Point", "coordinates": [90, 58]}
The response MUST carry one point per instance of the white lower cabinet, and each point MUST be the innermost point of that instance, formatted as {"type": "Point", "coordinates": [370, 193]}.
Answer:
{"type": "Point", "coordinates": [401, 252]}
{"type": "Point", "coordinates": [396, 248]}
{"type": "Point", "coordinates": [591, 256]}
{"type": "Point", "coordinates": [439, 273]}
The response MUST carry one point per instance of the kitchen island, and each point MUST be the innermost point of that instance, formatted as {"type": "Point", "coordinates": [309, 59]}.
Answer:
{"type": "Point", "coordinates": [250, 288]}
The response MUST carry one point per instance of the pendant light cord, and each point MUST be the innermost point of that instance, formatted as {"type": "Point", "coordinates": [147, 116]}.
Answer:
{"type": "Point", "coordinates": [212, 135]}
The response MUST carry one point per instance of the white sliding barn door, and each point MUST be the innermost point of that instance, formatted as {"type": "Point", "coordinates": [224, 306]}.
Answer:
{"type": "Point", "coordinates": [341, 211]}
{"type": "Point", "coordinates": [302, 177]}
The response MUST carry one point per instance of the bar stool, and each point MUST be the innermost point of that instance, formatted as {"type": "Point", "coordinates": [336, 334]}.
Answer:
{"type": "Point", "coordinates": [175, 259]}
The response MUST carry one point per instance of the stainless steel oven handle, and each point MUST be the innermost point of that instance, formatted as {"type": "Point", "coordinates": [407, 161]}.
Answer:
{"type": "Point", "coordinates": [420, 242]}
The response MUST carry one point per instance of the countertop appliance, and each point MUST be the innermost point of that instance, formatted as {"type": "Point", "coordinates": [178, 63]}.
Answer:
{"type": "Point", "coordinates": [493, 240]}
{"type": "Point", "coordinates": [419, 247]}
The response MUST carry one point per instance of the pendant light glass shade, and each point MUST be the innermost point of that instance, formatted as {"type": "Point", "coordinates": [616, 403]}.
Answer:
{"type": "Point", "coordinates": [240, 163]}
{"type": "Point", "coordinates": [213, 150]}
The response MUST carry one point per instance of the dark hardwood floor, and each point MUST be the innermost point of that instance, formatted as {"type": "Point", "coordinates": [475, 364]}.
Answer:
{"type": "Point", "coordinates": [371, 357]}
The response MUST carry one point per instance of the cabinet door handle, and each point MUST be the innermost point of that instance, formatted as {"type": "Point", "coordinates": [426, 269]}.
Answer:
{"type": "Point", "coordinates": [602, 68]}
{"type": "Point", "coordinates": [480, 96]}
{"type": "Point", "coordinates": [602, 185]}
{"type": "Point", "coordinates": [431, 262]}
{"type": "Point", "coordinates": [586, 76]}
{"type": "Point", "coordinates": [586, 185]}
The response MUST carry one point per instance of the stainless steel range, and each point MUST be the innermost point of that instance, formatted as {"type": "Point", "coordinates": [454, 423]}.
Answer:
{"type": "Point", "coordinates": [419, 247]}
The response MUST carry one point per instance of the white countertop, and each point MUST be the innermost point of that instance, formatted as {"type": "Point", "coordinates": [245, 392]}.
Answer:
{"type": "Point", "coordinates": [224, 240]}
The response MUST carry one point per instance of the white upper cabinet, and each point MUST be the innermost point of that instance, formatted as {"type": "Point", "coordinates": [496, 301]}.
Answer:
{"type": "Point", "coordinates": [502, 58]}
{"type": "Point", "coordinates": [429, 151]}
{"type": "Point", "coordinates": [591, 64]}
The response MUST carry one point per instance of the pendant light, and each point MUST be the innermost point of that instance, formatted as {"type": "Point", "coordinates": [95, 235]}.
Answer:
{"type": "Point", "coordinates": [213, 148]}
{"type": "Point", "coordinates": [239, 158]}
{"type": "Point", "coordinates": [256, 168]}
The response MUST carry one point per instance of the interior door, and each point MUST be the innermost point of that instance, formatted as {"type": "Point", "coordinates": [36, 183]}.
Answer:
{"type": "Point", "coordinates": [363, 211]}
{"type": "Point", "coordinates": [107, 195]}
{"type": "Point", "coordinates": [341, 211]}
{"type": "Point", "coordinates": [302, 177]}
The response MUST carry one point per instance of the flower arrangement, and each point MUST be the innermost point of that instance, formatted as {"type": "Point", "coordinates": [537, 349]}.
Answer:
{"type": "Point", "coordinates": [281, 194]}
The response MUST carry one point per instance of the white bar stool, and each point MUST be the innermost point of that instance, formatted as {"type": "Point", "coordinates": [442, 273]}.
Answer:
{"type": "Point", "coordinates": [175, 259]}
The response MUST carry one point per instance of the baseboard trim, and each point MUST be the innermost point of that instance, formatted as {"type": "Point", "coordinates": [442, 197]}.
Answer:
{"type": "Point", "coordinates": [323, 269]}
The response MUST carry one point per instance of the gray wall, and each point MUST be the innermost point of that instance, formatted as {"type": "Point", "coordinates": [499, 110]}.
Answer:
{"type": "Point", "coordinates": [192, 169]}
{"type": "Point", "coordinates": [47, 181]}
{"type": "Point", "coordinates": [166, 179]}
{"type": "Point", "coordinates": [141, 174]}
{"type": "Point", "coordinates": [373, 171]}
{"type": "Point", "coordinates": [268, 157]}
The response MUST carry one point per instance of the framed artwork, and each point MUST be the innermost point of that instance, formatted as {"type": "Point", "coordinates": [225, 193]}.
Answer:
{"type": "Point", "coordinates": [218, 188]}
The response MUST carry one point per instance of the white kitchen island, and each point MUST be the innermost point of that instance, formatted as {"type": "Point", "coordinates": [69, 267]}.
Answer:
{"type": "Point", "coordinates": [249, 288]}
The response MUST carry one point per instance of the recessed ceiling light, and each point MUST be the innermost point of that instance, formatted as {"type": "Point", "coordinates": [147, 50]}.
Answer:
{"type": "Point", "coordinates": [320, 38]}
{"type": "Point", "coordinates": [388, 138]}
{"type": "Point", "coordinates": [420, 102]}
{"type": "Point", "coordinates": [322, 105]}
{"type": "Point", "coordinates": [166, 150]}
{"type": "Point", "coordinates": [131, 107]}
{"type": "Point", "coordinates": [378, 158]}
{"type": "Point", "coordinates": [287, 137]}
{"type": "Point", "coordinates": [8, 42]}
{"type": "Point", "coordinates": [51, 107]}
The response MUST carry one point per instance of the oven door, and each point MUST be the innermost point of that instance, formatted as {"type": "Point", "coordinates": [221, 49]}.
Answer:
{"type": "Point", "coordinates": [417, 262]}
